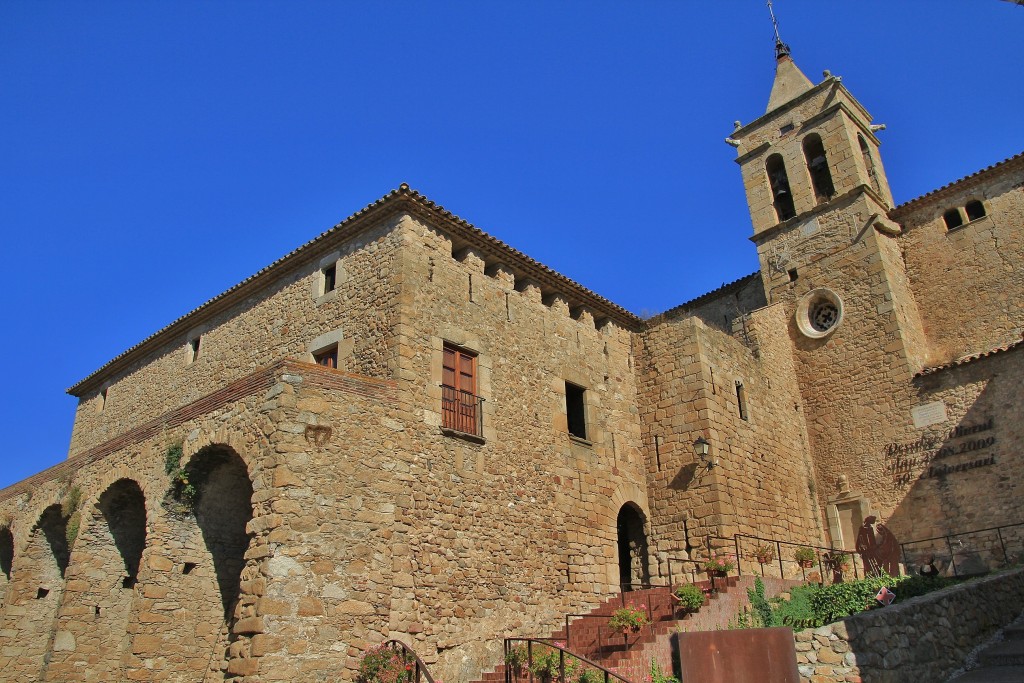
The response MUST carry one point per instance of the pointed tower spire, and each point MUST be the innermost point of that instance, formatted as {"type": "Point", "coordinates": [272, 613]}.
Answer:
{"type": "Point", "coordinates": [790, 82]}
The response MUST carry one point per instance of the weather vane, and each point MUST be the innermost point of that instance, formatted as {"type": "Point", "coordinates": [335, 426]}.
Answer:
{"type": "Point", "coordinates": [780, 47]}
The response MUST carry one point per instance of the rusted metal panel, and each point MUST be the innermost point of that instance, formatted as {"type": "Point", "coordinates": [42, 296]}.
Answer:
{"type": "Point", "coordinates": [756, 655]}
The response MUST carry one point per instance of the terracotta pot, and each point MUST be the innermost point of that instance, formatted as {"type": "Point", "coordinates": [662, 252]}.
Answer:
{"type": "Point", "coordinates": [806, 564]}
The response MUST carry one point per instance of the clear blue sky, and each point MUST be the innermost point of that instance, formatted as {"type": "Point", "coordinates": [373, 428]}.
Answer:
{"type": "Point", "coordinates": [152, 154]}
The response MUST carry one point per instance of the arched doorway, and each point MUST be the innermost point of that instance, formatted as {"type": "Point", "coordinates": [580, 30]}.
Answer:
{"type": "Point", "coordinates": [632, 542]}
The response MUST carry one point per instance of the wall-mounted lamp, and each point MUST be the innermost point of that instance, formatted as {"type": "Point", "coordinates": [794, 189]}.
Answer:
{"type": "Point", "coordinates": [702, 449]}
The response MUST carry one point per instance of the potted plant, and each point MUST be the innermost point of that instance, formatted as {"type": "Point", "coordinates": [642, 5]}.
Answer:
{"type": "Point", "coordinates": [804, 556]}
{"type": "Point", "coordinates": [764, 553]}
{"type": "Point", "coordinates": [719, 565]}
{"type": "Point", "coordinates": [689, 597]}
{"type": "Point", "coordinates": [516, 660]}
{"type": "Point", "coordinates": [626, 619]}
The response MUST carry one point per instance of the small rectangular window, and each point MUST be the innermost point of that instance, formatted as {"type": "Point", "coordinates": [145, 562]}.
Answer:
{"type": "Point", "coordinates": [330, 274]}
{"type": "Point", "coordinates": [953, 219]}
{"type": "Point", "coordinates": [575, 410]}
{"type": "Point", "coordinates": [327, 358]}
{"type": "Point", "coordinates": [193, 349]}
{"type": "Point", "coordinates": [975, 210]}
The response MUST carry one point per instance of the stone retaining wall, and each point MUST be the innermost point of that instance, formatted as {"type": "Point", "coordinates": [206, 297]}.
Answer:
{"type": "Point", "coordinates": [924, 639]}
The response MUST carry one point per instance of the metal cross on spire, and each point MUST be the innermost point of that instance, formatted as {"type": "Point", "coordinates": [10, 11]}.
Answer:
{"type": "Point", "coordinates": [781, 48]}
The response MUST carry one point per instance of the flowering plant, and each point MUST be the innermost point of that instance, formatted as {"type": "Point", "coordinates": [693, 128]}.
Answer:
{"type": "Point", "coordinates": [382, 664]}
{"type": "Point", "coordinates": [628, 619]}
{"type": "Point", "coordinates": [804, 556]}
{"type": "Point", "coordinates": [764, 553]}
{"type": "Point", "coordinates": [719, 563]}
{"type": "Point", "coordinates": [690, 597]}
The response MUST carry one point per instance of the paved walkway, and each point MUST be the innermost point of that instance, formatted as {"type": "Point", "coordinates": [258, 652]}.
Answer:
{"type": "Point", "coordinates": [1001, 662]}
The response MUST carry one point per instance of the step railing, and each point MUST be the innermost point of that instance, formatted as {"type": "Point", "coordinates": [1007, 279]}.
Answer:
{"type": "Point", "coordinates": [979, 550]}
{"type": "Point", "coordinates": [541, 651]}
{"type": "Point", "coordinates": [416, 670]}
{"type": "Point", "coordinates": [825, 558]}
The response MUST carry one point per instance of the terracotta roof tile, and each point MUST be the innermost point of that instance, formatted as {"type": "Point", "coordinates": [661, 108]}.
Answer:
{"type": "Point", "coordinates": [970, 359]}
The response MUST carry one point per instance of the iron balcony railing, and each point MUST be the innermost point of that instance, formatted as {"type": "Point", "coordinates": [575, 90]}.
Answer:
{"type": "Point", "coordinates": [462, 411]}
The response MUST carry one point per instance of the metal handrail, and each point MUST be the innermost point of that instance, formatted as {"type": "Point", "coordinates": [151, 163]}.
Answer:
{"type": "Point", "coordinates": [778, 554]}
{"type": "Point", "coordinates": [562, 652]}
{"type": "Point", "coordinates": [413, 664]}
{"type": "Point", "coordinates": [949, 545]}
{"type": "Point", "coordinates": [462, 411]}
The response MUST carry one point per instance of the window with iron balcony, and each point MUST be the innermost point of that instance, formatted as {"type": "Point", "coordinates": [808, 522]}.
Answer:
{"type": "Point", "coordinates": [461, 408]}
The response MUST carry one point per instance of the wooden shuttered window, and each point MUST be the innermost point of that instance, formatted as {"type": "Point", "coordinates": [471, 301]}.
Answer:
{"type": "Point", "coordinates": [460, 406]}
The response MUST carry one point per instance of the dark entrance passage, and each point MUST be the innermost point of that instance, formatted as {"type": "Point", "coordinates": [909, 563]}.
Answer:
{"type": "Point", "coordinates": [633, 571]}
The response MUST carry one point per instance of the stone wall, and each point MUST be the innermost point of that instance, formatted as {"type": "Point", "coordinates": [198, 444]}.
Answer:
{"type": "Point", "coordinates": [504, 535]}
{"type": "Point", "coordinates": [968, 282]}
{"type": "Point", "coordinates": [286, 316]}
{"type": "Point", "coordinates": [923, 639]}
{"type": "Point", "coordinates": [764, 482]}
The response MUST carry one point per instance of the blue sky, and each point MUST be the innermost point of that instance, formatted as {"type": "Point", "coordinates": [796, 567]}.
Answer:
{"type": "Point", "coordinates": [152, 154]}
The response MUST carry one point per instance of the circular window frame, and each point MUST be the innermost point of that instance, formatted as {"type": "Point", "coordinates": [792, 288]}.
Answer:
{"type": "Point", "coordinates": [807, 306]}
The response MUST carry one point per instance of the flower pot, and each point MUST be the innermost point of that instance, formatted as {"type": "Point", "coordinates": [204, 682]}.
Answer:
{"type": "Point", "coordinates": [806, 564]}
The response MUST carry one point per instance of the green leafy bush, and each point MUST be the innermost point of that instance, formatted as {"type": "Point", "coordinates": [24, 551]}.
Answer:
{"type": "Point", "coordinates": [843, 599]}
{"type": "Point", "coordinates": [690, 597]}
{"type": "Point", "coordinates": [547, 662]}
{"type": "Point", "coordinates": [381, 664]}
{"type": "Point", "coordinates": [516, 658]}
{"type": "Point", "coordinates": [797, 612]}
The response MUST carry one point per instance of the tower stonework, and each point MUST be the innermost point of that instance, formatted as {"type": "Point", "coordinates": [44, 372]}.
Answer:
{"type": "Point", "coordinates": [407, 429]}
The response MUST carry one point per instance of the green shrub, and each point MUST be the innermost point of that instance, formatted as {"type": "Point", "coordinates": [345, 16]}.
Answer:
{"type": "Point", "coordinates": [840, 600]}
{"type": "Point", "coordinates": [763, 616]}
{"type": "Point", "coordinates": [796, 612]}
{"type": "Point", "coordinates": [690, 597]}
{"type": "Point", "coordinates": [628, 619]}
{"type": "Point", "coordinates": [381, 664]}
{"type": "Point", "coordinates": [516, 658]}
{"type": "Point", "coordinates": [657, 676]}
{"type": "Point", "coordinates": [546, 663]}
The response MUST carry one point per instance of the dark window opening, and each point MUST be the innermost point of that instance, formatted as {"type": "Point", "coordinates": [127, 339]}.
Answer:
{"type": "Point", "coordinates": [327, 358]}
{"type": "Point", "coordinates": [128, 582]}
{"type": "Point", "coordinates": [103, 399]}
{"type": "Point", "coordinates": [460, 406]}
{"type": "Point", "coordinates": [42, 593]}
{"type": "Point", "coordinates": [188, 567]}
{"type": "Point", "coordinates": [781, 195]}
{"type": "Point", "coordinates": [193, 349]}
{"type": "Point", "coordinates": [575, 411]}
{"type": "Point", "coordinates": [792, 274]}
{"type": "Point", "coordinates": [817, 167]}
{"type": "Point", "coordinates": [330, 278]}
{"type": "Point", "coordinates": [975, 210]}
{"type": "Point", "coordinates": [953, 219]}
{"type": "Point", "coordinates": [741, 400]}
{"type": "Point", "coordinates": [788, 128]}
{"type": "Point", "coordinates": [96, 610]}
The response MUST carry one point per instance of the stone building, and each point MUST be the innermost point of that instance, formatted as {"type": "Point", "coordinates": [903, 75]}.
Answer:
{"type": "Point", "coordinates": [407, 428]}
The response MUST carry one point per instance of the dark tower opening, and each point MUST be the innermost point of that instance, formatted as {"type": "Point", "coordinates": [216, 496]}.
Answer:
{"type": "Point", "coordinates": [782, 197]}
{"type": "Point", "coordinates": [633, 572]}
{"type": "Point", "coordinates": [817, 167]}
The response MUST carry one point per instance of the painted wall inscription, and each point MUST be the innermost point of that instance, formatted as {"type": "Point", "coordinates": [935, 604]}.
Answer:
{"type": "Point", "coordinates": [913, 460]}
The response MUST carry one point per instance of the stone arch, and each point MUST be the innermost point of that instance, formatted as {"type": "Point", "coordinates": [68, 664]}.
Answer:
{"type": "Point", "coordinates": [99, 601]}
{"type": "Point", "coordinates": [35, 594]}
{"type": "Point", "coordinates": [6, 561]}
{"type": "Point", "coordinates": [631, 538]}
{"type": "Point", "coordinates": [194, 563]}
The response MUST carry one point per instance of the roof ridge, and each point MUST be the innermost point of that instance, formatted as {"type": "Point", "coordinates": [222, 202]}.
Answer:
{"type": "Point", "coordinates": [692, 303]}
{"type": "Point", "coordinates": [971, 176]}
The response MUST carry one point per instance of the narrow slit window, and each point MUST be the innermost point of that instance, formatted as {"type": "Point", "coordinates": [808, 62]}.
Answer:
{"type": "Point", "coordinates": [741, 401]}
{"type": "Point", "coordinates": [782, 197]}
{"type": "Point", "coordinates": [330, 274]}
{"type": "Point", "coordinates": [975, 210]}
{"type": "Point", "coordinates": [869, 163]}
{"type": "Point", "coordinates": [953, 219]}
{"type": "Point", "coordinates": [102, 400]}
{"type": "Point", "coordinates": [575, 410]}
{"type": "Point", "coordinates": [193, 349]}
{"type": "Point", "coordinates": [327, 358]}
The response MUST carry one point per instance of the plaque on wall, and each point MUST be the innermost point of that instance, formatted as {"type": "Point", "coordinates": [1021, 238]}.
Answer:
{"type": "Point", "coordinates": [929, 414]}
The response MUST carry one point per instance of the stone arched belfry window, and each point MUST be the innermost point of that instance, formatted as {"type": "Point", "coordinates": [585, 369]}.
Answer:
{"type": "Point", "coordinates": [782, 196]}
{"type": "Point", "coordinates": [817, 168]}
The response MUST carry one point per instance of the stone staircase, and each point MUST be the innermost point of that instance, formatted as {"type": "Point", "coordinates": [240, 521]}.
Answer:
{"type": "Point", "coordinates": [630, 656]}
{"type": "Point", "coordinates": [1001, 662]}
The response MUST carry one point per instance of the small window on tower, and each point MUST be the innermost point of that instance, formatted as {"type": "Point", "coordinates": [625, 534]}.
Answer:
{"type": "Point", "coordinates": [328, 357]}
{"type": "Point", "coordinates": [330, 274]}
{"type": "Point", "coordinates": [779, 182]}
{"type": "Point", "coordinates": [953, 219]}
{"type": "Point", "coordinates": [575, 410]}
{"type": "Point", "coordinates": [193, 350]}
{"type": "Point", "coordinates": [975, 210]}
{"type": "Point", "coordinates": [817, 167]}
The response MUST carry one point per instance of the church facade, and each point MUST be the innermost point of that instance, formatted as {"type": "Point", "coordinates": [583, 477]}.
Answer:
{"type": "Point", "coordinates": [407, 428]}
